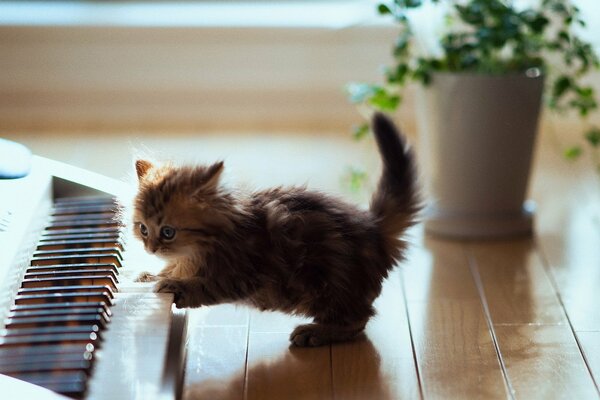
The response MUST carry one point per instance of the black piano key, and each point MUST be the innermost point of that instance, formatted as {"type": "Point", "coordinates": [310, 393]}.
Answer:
{"type": "Point", "coordinates": [83, 200]}
{"type": "Point", "coordinates": [56, 311]}
{"type": "Point", "coordinates": [60, 338]}
{"type": "Point", "coordinates": [47, 330]}
{"type": "Point", "coordinates": [112, 235]}
{"type": "Point", "coordinates": [92, 258]}
{"type": "Point", "coordinates": [59, 268]}
{"type": "Point", "coordinates": [84, 223]}
{"type": "Point", "coordinates": [80, 252]}
{"type": "Point", "coordinates": [64, 320]}
{"type": "Point", "coordinates": [87, 209]}
{"type": "Point", "coordinates": [53, 349]}
{"type": "Point", "coordinates": [62, 305]}
{"type": "Point", "coordinates": [43, 366]}
{"type": "Point", "coordinates": [64, 297]}
{"type": "Point", "coordinates": [67, 290]}
{"type": "Point", "coordinates": [73, 273]}
{"type": "Point", "coordinates": [78, 217]}
{"type": "Point", "coordinates": [74, 389]}
{"type": "Point", "coordinates": [80, 280]}
{"type": "Point", "coordinates": [77, 231]}
{"type": "Point", "coordinates": [80, 244]}
{"type": "Point", "coordinates": [46, 358]}
{"type": "Point", "coordinates": [43, 378]}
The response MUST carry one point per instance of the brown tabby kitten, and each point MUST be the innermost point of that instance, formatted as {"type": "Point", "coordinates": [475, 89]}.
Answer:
{"type": "Point", "coordinates": [287, 249]}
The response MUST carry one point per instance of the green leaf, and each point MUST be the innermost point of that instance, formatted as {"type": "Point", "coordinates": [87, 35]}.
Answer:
{"type": "Point", "coordinates": [360, 131]}
{"type": "Point", "coordinates": [384, 101]}
{"type": "Point", "coordinates": [401, 45]}
{"type": "Point", "coordinates": [539, 24]}
{"type": "Point", "coordinates": [356, 179]}
{"type": "Point", "coordinates": [383, 9]}
{"type": "Point", "coordinates": [593, 136]}
{"type": "Point", "coordinates": [564, 36]}
{"type": "Point", "coordinates": [397, 76]}
{"type": "Point", "coordinates": [561, 85]}
{"type": "Point", "coordinates": [573, 153]}
{"type": "Point", "coordinates": [559, 7]}
{"type": "Point", "coordinates": [423, 75]}
{"type": "Point", "coordinates": [409, 3]}
{"type": "Point", "coordinates": [585, 91]}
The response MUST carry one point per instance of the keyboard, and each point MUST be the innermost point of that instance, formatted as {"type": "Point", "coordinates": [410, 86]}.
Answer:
{"type": "Point", "coordinates": [72, 319]}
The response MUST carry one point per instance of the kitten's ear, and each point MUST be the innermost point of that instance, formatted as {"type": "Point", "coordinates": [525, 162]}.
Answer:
{"type": "Point", "coordinates": [213, 174]}
{"type": "Point", "coordinates": [142, 167]}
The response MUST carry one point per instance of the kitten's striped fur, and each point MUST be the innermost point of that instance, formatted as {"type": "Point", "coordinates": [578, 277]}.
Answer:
{"type": "Point", "coordinates": [287, 249]}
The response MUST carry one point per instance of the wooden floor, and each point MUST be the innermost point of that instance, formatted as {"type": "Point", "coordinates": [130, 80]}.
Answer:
{"type": "Point", "coordinates": [517, 319]}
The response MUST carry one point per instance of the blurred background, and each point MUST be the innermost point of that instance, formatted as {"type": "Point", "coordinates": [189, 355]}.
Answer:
{"type": "Point", "coordinates": [193, 64]}
{"type": "Point", "coordinates": [77, 75]}
{"type": "Point", "coordinates": [181, 65]}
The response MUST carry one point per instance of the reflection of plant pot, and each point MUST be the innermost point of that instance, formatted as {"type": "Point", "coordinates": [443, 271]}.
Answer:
{"type": "Point", "coordinates": [477, 134]}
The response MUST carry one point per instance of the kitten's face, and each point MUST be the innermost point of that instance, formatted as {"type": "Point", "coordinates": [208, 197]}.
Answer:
{"type": "Point", "coordinates": [170, 234]}
{"type": "Point", "coordinates": [174, 213]}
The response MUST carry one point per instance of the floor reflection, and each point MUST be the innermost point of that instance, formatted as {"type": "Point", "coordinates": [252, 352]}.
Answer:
{"type": "Point", "coordinates": [355, 374]}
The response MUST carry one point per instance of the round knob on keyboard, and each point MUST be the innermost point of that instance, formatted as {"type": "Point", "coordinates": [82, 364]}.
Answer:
{"type": "Point", "coordinates": [15, 160]}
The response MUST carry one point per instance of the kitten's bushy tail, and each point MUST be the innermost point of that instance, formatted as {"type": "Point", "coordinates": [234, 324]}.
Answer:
{"type": "Point", "coordinates": [396, 201]}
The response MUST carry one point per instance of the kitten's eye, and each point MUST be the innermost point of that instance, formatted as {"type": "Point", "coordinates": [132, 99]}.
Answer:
{"type": "Point", "coordinates": [143, 230]}
{"type": "Point", "coordinates": [167, 232]}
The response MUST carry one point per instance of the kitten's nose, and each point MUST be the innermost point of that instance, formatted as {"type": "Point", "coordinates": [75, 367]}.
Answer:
{"type": "Point", "coordinates": [152, 248]}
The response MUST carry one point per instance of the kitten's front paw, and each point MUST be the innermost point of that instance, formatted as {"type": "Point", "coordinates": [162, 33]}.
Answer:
{"type": "Point", "coordinates": [308, 335]}
{"type": "Point", "coordinates": [146, 277]}
{"type": "Point", "coordinates": [175, 286]}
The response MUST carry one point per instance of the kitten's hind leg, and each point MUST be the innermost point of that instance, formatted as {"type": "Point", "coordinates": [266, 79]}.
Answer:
{"type": "Point", "coordinates": [319, 334]}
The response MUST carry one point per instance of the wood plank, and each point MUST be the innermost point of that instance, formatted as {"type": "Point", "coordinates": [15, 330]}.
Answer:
{"type": "Point", "coordinates": [216, 352]}
{"type": "Point", "coordinates": [380, 366]}
{"type": "Point", "coordinates": [590, 344]}
{"type": "Point", "coordinates": [455, 351]}
{"type": "Point", "coordinates": [276, 371]}
{"type": "Point", "coordinates": [573, 257]}
{"type": "Point", "coordinates": [516, 285]}
{"type": "Point", "coordinates": [274, 321]}
{"type": "Point", "coordinates": [216, 363]}
{"type": "Point", "coordinates": [568, 234]}
{"type": "Point", "coordinates": [438, 269]}
{"type": "Point", "coordinates": [226, 315]}
{"type": "Point", "coordinates": [544, 362]}
{"type": "Point", "coordinates": [454, 347]}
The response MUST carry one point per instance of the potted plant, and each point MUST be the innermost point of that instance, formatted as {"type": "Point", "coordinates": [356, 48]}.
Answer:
{"type": "Point", "coordinates": [479, 101]}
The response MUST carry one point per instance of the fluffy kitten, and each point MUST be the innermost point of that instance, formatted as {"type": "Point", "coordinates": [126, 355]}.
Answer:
{"type": "Point", "coordinates": [286, 249]}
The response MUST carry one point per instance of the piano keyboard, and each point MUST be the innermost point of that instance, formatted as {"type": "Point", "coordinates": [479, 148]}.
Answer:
{"type": "Point", "coordinates": [74, 323]}
{"type": "Point", "coordinates": [64, 303]}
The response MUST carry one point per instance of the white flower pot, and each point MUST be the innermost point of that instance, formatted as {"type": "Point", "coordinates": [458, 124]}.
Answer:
{"type": "Point", "coordinates": [477, 134]}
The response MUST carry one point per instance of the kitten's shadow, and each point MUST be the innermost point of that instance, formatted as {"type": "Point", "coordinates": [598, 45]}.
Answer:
{"type": "Point", "coordinates": [357, 375]}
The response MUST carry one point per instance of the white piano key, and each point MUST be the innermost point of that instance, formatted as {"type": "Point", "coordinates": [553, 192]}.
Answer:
{"type": "Point", "coordinates": [126, 366]}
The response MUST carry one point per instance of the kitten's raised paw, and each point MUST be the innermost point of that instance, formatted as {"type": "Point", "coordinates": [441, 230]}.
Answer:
{"type": "Point", "coordinates": [175, 286]}
{"type": "Point", "coordinates": [309, 335]}
{"type": "Point", "coordinates": [146, 277]}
